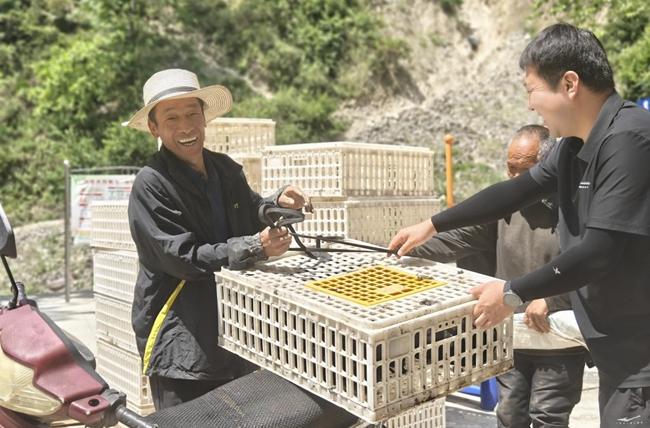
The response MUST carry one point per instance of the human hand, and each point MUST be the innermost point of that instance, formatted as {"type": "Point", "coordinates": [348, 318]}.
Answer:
{"type": "Point", "coordinates": [536, 316]}
{"type": "Point", "coordinates": [275, 241]}
{"type": "Point", "coordinates": [293, 197]}
{"type": "Point", "coordinates": [411, 236]}
{"type": "Point", "coordinates": [490, 309]}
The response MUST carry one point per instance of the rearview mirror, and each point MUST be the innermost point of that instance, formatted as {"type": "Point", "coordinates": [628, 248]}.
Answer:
{"type": "Point", "coordinates": [7, 241]}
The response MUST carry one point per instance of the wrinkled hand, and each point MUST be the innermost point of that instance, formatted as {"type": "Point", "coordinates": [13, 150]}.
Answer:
{"type": "Point", "coordinates": [293, 197]}
{"type": "Point", "coordinates": [275, 241]}
{"type": "Point", "coordinates": [490, 309]}
{"type": "Point", "coordinates": [411, 236]}
{"type": "Point", "coordinates": [536, 316]}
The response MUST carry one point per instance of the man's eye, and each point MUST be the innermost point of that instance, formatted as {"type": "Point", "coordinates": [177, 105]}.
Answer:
{"type": "Point", "coordinates": [171, 118]}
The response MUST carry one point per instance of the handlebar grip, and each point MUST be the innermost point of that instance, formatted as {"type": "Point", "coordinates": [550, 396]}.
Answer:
{"type": "Point", "coordinates": [132, 419]}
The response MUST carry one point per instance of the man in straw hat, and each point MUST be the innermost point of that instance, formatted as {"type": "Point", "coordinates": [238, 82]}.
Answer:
{"type": "Point", "coordinates": [191, 212]}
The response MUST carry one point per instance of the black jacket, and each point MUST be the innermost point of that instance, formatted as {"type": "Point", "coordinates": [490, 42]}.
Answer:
{"type": "Point", "coordinates": [174, 230]}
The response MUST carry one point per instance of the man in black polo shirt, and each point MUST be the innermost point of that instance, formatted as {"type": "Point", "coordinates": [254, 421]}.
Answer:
{"type": "Point", "coordinates": [600, 172]}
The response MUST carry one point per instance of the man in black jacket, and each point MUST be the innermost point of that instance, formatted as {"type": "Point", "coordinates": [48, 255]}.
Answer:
{"type": "Point", "coordinates": [545, 384]}
{"type": "Point", "coordinates": [600, 174]}
{"type": "Point", "coordinates": [191, 212]}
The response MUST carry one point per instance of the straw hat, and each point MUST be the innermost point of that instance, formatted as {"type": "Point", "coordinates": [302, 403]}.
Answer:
{"type": "Point", "coordinates": [174, 84]}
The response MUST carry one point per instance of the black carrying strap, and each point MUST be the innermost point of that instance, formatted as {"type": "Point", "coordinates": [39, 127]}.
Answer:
{"type": "Point", "coordinates": [362, 248]}
{"type": "Point", "coordinates": [275, 217]}
{"type": "Point", "coordinates": [301, 246]}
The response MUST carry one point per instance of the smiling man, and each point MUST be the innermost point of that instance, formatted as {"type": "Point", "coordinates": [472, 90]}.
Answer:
{"type": "Point", "coordinates": [191, 212]}
{"type": "Point", "coordinates": [600, 172]}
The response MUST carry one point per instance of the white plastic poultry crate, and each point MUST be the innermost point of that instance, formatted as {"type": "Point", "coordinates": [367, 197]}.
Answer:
{"type": "Point", "coordinates": [349, 169]}
{"type": "Point", "coordinates": [115, 273]}
{"type": "Point", "coordinates": [374, 361]}
{"type": "Point", "coordinates": [110, 225]}
{"type": "Point", "coordinates": [252, 165]}
{"type": "Point", "coordinates": [426, 415]}
{"type": "Point", "coordinates": [239, 136]}
{"type": "Point", "coordinates": [113, 320]}
{"type": "Point", "coordinates": [366, 219]}
{"type": "Point", "coordinates": [122, 371]}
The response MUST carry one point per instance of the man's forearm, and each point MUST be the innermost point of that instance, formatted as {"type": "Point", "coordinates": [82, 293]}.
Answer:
{"type": "Point", "coordinates": [599, 251]}
{"type": "Point", "coordinates": [491, 204]}
{"type": "Point", "coordinates": [455, 244]}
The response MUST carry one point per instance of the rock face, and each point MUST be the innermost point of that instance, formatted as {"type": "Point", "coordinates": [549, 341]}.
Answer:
{"type": "Point", "coordinates": [462, 77]}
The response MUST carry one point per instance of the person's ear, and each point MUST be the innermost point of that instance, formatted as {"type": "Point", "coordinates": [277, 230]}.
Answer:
{"type": "Point", "coordinates": [153, 128]}
{"type": "Point", "coordinates": [571, 83]}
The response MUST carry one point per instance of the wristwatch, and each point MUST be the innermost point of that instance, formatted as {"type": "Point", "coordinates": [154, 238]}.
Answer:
{"type": "Point", "coordinates": [510, 298]}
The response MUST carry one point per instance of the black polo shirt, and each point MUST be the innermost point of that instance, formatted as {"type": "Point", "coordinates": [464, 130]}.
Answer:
{"type": "Point", "coordinates": [608, 178]}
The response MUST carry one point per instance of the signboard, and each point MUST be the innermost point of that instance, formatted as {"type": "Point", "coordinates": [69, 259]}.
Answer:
{"type": "Point", "coordinates": [87, 188]}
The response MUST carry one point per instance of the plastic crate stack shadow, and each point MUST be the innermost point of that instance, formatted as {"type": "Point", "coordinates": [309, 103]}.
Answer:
{"type": "Point", "coordinates": [360, 191]}
{"type": "Point", "coordinates": [115, 269]}
{"type": "Point", "coordinates": [379, 362]}
{"type": "Point", "coordinates": [244, 140]}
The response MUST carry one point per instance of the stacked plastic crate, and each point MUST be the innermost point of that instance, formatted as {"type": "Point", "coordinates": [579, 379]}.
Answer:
{"type": "Point", "coordinates": [365, 192]}
{"type": "Point", "coordinates": [115, 269]}
{"type": "Point", "coordinates": [360, 191]}
{"type": "Point", "coordinates": [375, 335]}
{"type": "Point", "coordinates": [243, 140]}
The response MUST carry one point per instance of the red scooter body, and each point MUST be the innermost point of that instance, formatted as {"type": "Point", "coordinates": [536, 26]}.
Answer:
{"type": "Point", "coordinates": [47, 376]}
{"type": "Point", "coordinates": [31, 339]}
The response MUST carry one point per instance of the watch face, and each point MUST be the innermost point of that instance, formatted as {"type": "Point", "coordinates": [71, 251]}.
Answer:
{"type": "Point", "coordinates": [512, 300]}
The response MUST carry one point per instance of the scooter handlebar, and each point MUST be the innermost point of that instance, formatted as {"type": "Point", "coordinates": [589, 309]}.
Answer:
{"type": "Point", "coordinates": [132, 419]}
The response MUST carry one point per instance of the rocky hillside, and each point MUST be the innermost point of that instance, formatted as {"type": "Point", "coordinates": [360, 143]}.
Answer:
{"type": "Point", "coordinates": [461, 77]}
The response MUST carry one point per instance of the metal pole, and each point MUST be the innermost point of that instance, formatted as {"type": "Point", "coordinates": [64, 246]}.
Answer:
{"type": "Point", "coordinates": [66, 222]}
{"type": "Point", "coordinates": [449, 140]}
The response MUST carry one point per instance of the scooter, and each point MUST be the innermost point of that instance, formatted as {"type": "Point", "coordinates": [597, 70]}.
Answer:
{"type": "Point", "coordinates": [48, 378]}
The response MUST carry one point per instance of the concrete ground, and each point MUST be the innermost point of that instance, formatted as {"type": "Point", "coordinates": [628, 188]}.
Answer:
{"type": "Point", "coordinates": [462, 411]}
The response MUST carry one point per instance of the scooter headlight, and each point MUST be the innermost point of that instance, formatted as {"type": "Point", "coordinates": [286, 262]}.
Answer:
{"type": "Point", "coordinates": [17, 391]}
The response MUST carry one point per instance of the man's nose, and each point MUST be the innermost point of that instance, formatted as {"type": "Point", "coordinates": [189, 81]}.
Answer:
{"type": "Point", "coordinates": [185, 125]}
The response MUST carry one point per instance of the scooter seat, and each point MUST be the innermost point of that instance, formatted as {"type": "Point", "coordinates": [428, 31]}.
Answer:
{"type": "Point", "coordinates": [258, 400]}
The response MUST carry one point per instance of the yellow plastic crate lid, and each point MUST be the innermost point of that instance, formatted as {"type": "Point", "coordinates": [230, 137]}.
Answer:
{"type": "Point", "coordinates": [374, 285]}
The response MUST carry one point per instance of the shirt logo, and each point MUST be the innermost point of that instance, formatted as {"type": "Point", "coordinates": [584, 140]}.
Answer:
{"type": "Point", "coordinates": [556, 270]}
{"type": "Point", "coordinates": [584, 185]}
{"type": "Point", "coordinates": [236, 205]}
{"type": "Point", "coordinates": [628, 419]}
